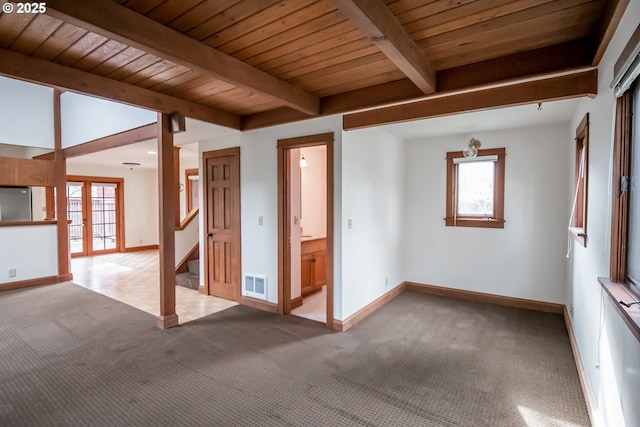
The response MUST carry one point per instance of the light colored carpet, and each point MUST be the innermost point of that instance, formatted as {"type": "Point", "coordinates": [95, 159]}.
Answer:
{"type": "Point", "coordinates": [70, 357]}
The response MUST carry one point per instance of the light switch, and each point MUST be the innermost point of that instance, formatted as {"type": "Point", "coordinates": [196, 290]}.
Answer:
{"type": "Point", "coordinates": [349, 224]}
{"type": "Point", "coordinates": [260, 221]}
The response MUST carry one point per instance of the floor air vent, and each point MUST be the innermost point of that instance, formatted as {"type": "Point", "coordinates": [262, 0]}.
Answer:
{"type": "Point", "coordinates": [255, 286]}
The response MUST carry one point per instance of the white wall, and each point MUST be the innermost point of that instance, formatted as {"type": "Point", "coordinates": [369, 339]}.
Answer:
{"type": "Point", "coordinates": [526, 259]}
{"type": "Point", "coordinates": [314, 192]}
{"type": "Point", "coordinates": [27, 119]}
{"type": "Point", "coordinates": [186, 239]}
{"type": "Point", "coordinates": [140, 200]}
{"type": "Point", "coordinates": [259, 197]}
{"type": "Point", "coordinates": [373, 200]}
{"type": "Point", "coordinates": [85, 118]}
{"type": "Point", "coordinates": [611, 358]}
{"type": "Point", "coordinates": [32, 251]}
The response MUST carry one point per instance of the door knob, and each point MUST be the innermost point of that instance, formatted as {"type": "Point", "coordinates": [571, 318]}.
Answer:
{"type": "Point", "coordinates": [209, 234]}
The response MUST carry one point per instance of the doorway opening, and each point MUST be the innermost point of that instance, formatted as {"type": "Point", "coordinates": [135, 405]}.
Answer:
{"type": "Point", "coordinates": [305, 243]}
{"type": "Point", "coordinates": [95, 209]}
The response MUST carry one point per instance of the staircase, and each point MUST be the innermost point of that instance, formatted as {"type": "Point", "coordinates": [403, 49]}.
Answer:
{"type": "Point", "coordinates": [190, 279]}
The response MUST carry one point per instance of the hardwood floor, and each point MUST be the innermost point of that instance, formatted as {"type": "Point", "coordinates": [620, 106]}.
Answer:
{"type": "Point", "coordinates": [132, 278]}
{"type": "Point", "coordinates": [313, 307]}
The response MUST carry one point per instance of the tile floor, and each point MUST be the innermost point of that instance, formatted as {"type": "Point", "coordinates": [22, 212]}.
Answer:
{"type": "Point", "coordinates": [132, 278]}
{"type": "Point", "coordinates": [313, 307]}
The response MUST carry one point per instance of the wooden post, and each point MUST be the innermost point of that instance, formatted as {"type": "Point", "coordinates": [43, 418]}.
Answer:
{"type": "Point", "coordinates": [60, 181]}
{"type": "Point", "coordinates": [167, 198]}
{"type": "Point", "coordinates": [176, 183]}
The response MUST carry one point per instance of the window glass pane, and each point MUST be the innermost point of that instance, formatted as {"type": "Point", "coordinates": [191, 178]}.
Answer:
{"type": "Point", "coordinates": [475, 188]}
{"type": "Point", "coordinates": [633, 243]}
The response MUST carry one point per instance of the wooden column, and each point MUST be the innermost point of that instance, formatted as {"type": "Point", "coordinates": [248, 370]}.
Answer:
{"type": "Point", "coordinates": [60, 181]}
{"type": "Point", "coordinates": [167, 198]}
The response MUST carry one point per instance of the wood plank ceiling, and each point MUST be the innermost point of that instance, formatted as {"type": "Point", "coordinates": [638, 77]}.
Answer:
{"type": "Point", "coordinates": [253, 63]}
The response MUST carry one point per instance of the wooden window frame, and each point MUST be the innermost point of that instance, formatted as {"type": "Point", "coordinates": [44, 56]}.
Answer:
{"type": "Point", "coordinates": [188, 188]}
{"type": "Point", "coordinates": [497, 221]}
{"type": "Point", "coordinates": [578, 227]}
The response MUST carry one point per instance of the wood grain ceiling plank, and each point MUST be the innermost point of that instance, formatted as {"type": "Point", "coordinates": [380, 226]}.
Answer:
{"type": "Point", "coordinates": [197, 88]}
{"type": "Point", "coordinates": [333, 72]}
{"type": "Point", "coordinates": [328, 59]}
{"type": "Point", "coordinates": [236, 13]}
{"type": "Point", "coordinates": [332, 24]}
{"type": "Point", "coordinates": [191, 81]}
{"type": "Point", "coordinates": [380, 26]}
{"type": "Point", "coordinates": [101, 54]}
{"type": "Point", "coordinates": [117, 61]}
{"type": "Point", "coordinates": [133, 67]}
{"type": "Point", "coordinates": [176, 81]}
{"type": "Point", "coordinates": [199, 14]}
{"type": "Point", "coordinates": [36, 70]}
{"type": "Point", "coordinates": [142, 6]}
{"type": "Point", "coordinates": [150, 71]}
{"type": "Point", "coordinates": [357, 75]}
{"type": "Point", "coordinates": [381, 76]}
{"type": "Point", "coordinates": [488, 29]}
{"type": "Point", "coordinates": [520, 36]}
{"type": "Point", "coordinates": [38, 30]}
{"type": "Point", "coordinates": [276, 20]}
{"type": "Point", "coordinates": [175, 71]}
{"type": "Point", "coordinates": [11, 25]}
{"type": "Point", "coordinates": [436, 6]}
{"type": "Point", "coordinates": [465, 15]}
{"type": "Point", "coordinates": [64, 36]}
{"type": "Point", "coordinates": [172, 9]}
{"type": "Point", "coordinates": [467, 55]}
{"type": "Point", "coordinates": [82, 47]}
{"type": "Point", "coordinates": [316, 48]}
{"type": "Point", "coordinates": [560, 87]}
{"type": "Point", "coordinates": [126, 26]}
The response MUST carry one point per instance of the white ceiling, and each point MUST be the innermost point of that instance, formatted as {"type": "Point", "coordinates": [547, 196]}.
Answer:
{"type": "Point", "coordinates": [554, 112]}
{"type": "Point", "coordinates": [504, 118]}
{"type": "Point", "coordinates": [196, 130]}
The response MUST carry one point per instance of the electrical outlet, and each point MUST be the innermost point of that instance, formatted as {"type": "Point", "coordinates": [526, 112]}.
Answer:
{"type": "Point", "coordinates": [260, 220]}
{"type": "Point", "coordinates": [12, 272]}
{"type": "Point", "coordinates": [386, 281]}
{"type": "Point", "coordinates": [349, 224]}
{"type": "Point", "coordinates": [140, 241]}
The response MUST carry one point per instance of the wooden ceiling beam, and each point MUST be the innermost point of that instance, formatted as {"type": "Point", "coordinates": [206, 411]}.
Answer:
{"type": "Point", "coordinates": [610, 21]}
{"type": "Point", "coordinates": [131, 136]}
{"type": "Point", "coordinates": [36, 70]}
{"type": "Point", "coordinates": [380, 26]}
{"type": "Point", "coordinates": [574, 85]}
{"type": "Point", "coordinates": [561, 57]}
{"type": "Point", "coordinates": [119, 23]}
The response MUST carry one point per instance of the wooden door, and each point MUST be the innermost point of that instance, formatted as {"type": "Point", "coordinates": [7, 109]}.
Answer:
{"type": "Point", "coordinates": [222, 223]}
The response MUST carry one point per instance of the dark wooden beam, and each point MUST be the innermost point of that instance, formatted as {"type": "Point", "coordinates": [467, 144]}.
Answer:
{"type": "Point", "coordinates": [610, 21]}
{"type": "Point", "coordinates": [126, 26]}
{"type": "Point", "coordinates": [574, 85]}
{"type": "Point", "coordinates": [564, 56]}
{"type": "Point", "coordinates": [167, 196]}
{"type": "Point", "coordinates": [378, 23]}
{"type": "Point", "coordinates": [373, 96]}
{"type": "Point", "coordinates": [36, 70]}
{"type": "Point", "coordinates": [142, 133]}
{"type": "Point", "coordinates": [60, 183]}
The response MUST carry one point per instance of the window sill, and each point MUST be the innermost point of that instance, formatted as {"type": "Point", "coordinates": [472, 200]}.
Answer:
{"type": "Point", "coordinates": [475, 222]}
{"type": "Point", "coordinates": [622, 292]}
{"type": "Point", "coordinates": [579, 235]}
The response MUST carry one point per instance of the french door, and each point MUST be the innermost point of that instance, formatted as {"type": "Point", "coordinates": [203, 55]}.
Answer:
{"type": "Point", "coordinates": [95, 212]}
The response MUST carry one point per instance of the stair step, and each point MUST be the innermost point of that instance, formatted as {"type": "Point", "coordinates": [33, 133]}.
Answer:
{"type": "Point", "coordinates": [194, 266]}
{"type": "Point", "coordinates": [188, 280]}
